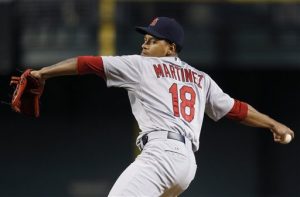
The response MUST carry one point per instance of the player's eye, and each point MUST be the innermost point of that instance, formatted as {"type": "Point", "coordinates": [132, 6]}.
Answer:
{"type": "Point", "coordinates": [153, 41]}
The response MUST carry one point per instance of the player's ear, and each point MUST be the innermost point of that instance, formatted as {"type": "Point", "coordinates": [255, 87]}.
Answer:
{"type": "Point", "coordinates": [172, 49]}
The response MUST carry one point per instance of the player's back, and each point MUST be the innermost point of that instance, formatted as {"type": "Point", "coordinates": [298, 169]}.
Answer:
{"type": "Point", "coordinates": [170, 96]}
{"type": "Point", "coordinates": [167, 94]}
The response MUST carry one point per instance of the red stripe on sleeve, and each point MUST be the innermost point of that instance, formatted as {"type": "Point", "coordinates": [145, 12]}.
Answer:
{"type": "Point", "coordinates": [239, 111]}
{"type": "Point", "coordinates": [89, 65]}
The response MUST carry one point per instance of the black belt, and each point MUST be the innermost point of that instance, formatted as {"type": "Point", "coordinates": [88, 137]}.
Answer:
{"type": "Point", "coordinates": [171, 135]}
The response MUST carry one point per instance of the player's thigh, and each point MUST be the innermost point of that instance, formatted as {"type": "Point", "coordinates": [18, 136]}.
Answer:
{"type": "Point", "coordinates": [164, 167]}
{"type": "Point", "coordinates": [183, 165]}
{"type": "Point", "coordinates": [139, 179]}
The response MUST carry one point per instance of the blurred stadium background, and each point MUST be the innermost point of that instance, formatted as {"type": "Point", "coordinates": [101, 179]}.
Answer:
{"type": "Point", "coordinates": [85, 136]}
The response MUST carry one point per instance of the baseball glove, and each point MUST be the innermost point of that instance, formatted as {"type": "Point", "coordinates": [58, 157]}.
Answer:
{"type": "Point", "coordinates": [27, 93]}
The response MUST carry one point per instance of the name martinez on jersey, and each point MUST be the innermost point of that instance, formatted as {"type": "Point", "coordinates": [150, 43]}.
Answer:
{"type": "Point", "coordinates": [178, 73]}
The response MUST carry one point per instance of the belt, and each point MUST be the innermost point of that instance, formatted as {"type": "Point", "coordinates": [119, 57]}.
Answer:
{"type": "Point", "coordinates": [170, 135]}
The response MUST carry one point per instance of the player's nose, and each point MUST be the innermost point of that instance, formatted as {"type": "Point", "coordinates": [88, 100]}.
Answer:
{"type": "Point", "coordinates": [143, 46]}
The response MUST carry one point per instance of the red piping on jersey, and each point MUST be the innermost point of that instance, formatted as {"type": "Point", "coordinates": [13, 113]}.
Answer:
{"type": "Point", "coordinates": [89, 65]}
{"type": "Point", "coordinates": [239, 111]}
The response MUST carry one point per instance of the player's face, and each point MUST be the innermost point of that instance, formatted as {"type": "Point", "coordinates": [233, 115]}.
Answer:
{"type": "Point", "coordinates": [156, 48]}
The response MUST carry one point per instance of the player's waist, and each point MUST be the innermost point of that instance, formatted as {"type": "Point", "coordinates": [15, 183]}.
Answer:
{"type": "Point", "coordinates": [163, 135]}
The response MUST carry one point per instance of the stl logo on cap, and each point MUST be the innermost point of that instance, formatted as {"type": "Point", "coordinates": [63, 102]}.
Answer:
{"type": "Point", "coordinates": [153, 23]}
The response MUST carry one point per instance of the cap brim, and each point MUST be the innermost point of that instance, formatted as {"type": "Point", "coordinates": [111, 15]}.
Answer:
{"type": "Point", "coordinates": [147, 30]}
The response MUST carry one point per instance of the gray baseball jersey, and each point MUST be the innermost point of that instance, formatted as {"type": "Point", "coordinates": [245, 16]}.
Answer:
{"type": "Point", "coordinates": [167, 94]}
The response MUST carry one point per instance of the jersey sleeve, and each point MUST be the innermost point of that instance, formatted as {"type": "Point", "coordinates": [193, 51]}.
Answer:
{"type": "Point", "coordinates": [90, 65]}
{"type": "Point", "coordinates": [239, 111]}
{"type": "Point", "coordinates": [122, 71]}
{"type": "Point", "coordinates": [218, 103]}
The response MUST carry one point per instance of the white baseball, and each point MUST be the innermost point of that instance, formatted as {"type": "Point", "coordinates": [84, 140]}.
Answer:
{"type": "Point", "coordinates": [287, 139]}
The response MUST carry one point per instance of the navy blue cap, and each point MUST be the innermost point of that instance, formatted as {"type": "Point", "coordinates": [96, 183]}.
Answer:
{"type": "Point", "coordinates": [165, 28]}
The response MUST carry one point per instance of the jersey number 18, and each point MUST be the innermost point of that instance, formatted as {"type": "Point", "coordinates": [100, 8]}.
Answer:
{"type": "Point", "coordinates": [187, 97]}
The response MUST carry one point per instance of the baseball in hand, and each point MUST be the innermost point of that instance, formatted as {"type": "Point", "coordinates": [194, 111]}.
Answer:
{"type": "Point", "coordinates": [287, 139]}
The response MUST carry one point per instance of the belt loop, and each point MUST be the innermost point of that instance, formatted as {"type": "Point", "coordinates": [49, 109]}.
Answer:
{"type": "Point", "coordinates": [143, 141]}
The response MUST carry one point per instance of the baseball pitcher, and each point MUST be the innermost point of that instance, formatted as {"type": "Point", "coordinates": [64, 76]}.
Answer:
{"type": "Point", "coordinates": [168, 98]}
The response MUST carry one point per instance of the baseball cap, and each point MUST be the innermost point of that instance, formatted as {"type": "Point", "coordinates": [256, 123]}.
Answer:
{"type": "Point", "coordinates": [165, 28]}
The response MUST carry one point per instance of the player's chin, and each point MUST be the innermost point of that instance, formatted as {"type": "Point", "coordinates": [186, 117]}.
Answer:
{"type": "Point", "coordinates": [144, 53]}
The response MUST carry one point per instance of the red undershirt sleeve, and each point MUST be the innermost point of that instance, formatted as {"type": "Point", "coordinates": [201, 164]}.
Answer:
{"type": "Point", "coordinates": [239, 111]}
{"type": "Point", "coordinates": [90, 65]}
